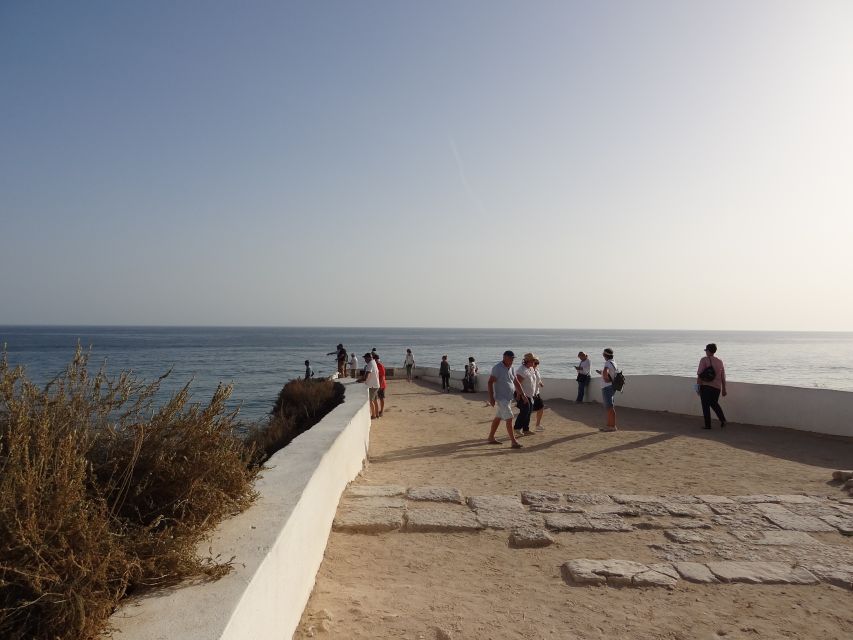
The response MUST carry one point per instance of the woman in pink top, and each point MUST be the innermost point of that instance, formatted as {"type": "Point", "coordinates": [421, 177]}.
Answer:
{"type": "Point", "coordinates": [711, 378]}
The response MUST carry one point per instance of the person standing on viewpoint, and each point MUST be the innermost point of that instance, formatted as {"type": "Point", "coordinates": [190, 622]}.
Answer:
{"type": "Point", "coordinates": [409, 363]}
{"type": "Point", "coordinates": [371, 379]}
{"type": "Point", "coordinates": [608, 373]}
{"type": "Point", "coordinates": [524, 401]}
{"type": "Point", "coordinates": [473, 370]}
{"type": "Point", "coordinates": [382, 384]}
{"type": "Point", "coordinates": [444, 372]}
{"type": "Point", "coordinates": [711, 378]}
{"type": "Point", "coordinates": [583, 376]}
{"type": "Point", "coordinates": [309, 372]}
{"type": "Point", "coordinates": [538, 404]}
{"type": "Point", "coordinates": [503, 384]}
{"type": "Point", "coordinates": [341, 354]}
{"type": "Point", "coordinates": [353, 365]}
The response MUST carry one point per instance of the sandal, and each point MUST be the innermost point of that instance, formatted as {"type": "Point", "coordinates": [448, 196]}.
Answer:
{"type": "Point", "coordinates": [493, 442]}
{"type": "Point", "coordinates": [516, 445]}
{"type": "Point", "coordinates": [608, 429]}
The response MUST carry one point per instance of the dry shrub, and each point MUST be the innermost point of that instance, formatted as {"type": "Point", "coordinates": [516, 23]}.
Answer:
{"type": "Point", "coordinates": [300, 405]}
{"type": "Point", "coordinates": [101, 495]}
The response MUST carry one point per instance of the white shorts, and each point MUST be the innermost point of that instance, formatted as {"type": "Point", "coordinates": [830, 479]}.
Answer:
{"type": "Point", "coordinates": [503, 409]}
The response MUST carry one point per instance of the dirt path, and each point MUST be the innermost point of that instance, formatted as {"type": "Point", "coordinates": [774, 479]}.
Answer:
{"type": "Point", "coordinates": [474, 585]}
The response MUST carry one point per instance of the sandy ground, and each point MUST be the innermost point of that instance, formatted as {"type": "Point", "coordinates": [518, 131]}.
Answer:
{"type": "Point", "coordinates": [434, 585]}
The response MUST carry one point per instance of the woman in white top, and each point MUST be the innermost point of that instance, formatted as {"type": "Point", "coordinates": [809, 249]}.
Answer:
{"type": "Point", "coordinates": [409, 363]}
{"type": "Point", "coordinates": [607, 390]}
{"type": "Point", "coordinates": [353, 365]}
{"type": "Point", "coordinates": [538, 404]}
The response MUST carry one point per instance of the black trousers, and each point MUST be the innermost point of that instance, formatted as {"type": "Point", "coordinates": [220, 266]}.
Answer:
{"type": "Point", "coordinates": [522, 422]}
{"type": "Point", "coordinates": [445, 380]}
{"type": "Point", "coordinates": [582, 384]}
{"type": "Point", "coordinates": [710, 397]}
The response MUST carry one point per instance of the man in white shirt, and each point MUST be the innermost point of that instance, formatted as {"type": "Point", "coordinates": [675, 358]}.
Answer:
{"type": "Point", "coordinates": [583, 375]}
{"type": "Point", "coordinates": [353, 365]}
{"type": "Point", "coordinates": [371, 379]}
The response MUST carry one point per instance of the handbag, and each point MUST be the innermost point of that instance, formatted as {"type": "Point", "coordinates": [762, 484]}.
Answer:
{"type": "Point", "coordinates": [708, 373]}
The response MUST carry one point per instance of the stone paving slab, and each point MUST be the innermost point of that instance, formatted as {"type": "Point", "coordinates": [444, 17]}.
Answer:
{"type": "Point", "coordinates": [710, 499]}
{"type": "Point", "coordinates": [775, 537]}
{"type": "Point", "coordinates": [375, 491]}
{"type": "Point", "coordinates": [503, 512]}
{"type": "Point", "coordinates": [754, 499]}
{"type": "Point", "coordinates": [761, 573]}
{"type": "Point", "coordinates": [843, 523]}
{"type": "Point", "coordinates": [368, 519]}
{"type": "Point", "coordinates": [588, 498]}
{"type": "Point", "coordinates": [785, 519]}
{"type": "Point", "coordinates": [443, 520]}
{"type": "Point", "coordinates": [528, 537]}
{"type": "Point", "coordinates": [585, 522]}
{"type": "Point", "coordinates": [617, 573]}
{"type": "Point", "coordinates": [435, 494]}
{"type": "Point", "coordinates": [550, 507]}
{"type": "Point", "coordinates": [685, 536]}
{"type": "Point", "coordinates": [695, 572]}
{"type": "Point", "coordinates": [538, 497]}
{"type": "Point", "coordinates": [796, 499]}
{"type": "Point", "coordinates": [377, 501]}
{"type": "Point", "coordinates": [838, 575]}
{"type": "Point", "coordinates": [682, 510]}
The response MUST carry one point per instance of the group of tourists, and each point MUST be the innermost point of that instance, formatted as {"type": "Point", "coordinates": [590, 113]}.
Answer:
{"type": "Point", "coordinates": [521, 385]}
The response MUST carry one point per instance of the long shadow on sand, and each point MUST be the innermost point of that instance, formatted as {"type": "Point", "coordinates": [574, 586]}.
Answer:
{"type": "Point", "coordinates": [429, 451]}
{"type": "Point", "coordinates": [786, 444]}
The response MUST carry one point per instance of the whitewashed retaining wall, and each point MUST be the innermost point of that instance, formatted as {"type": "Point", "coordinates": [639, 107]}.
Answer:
{"type": "Point", "coordinates": [277, 544]}
{"type": "Point", "coordinates": [819, 410]}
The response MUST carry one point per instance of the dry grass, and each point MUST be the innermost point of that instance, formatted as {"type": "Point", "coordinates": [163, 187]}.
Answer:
{"type": "Point", "coordinates": [300, 404]}
{"type": "Point", "coordinates": [102, 494]}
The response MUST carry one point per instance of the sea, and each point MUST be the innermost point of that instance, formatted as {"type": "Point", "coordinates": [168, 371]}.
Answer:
{"type": "Point", "coordinates": [258, 361]}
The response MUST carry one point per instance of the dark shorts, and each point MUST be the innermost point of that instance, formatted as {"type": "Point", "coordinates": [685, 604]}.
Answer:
{"type": "Point", "coordinates": [381, 394]}
{"type": "Point", "coordinates": [537, 402]}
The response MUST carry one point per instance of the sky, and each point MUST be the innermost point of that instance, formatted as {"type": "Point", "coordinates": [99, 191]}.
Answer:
{"type": "Point", "coordinates": [633, 165]}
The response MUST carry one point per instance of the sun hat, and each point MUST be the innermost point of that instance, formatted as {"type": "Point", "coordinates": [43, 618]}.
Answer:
{"type": "Point", "coordinates": [608, 352]}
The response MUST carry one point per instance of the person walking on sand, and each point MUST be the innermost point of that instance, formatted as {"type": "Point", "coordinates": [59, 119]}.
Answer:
{"type": "Point", "coordinates": [608, 373]}
{"type": "Point", "coordinates": [371, 379]}
{"type": "Point", "coordinates": [353, 365]}
{"type": "Point", "coordinates": [502, 385]}
{"type": "Point", "coordinates": [711, 378]}
{"type": "Point", "coordinates": [538, 403]}
{"type": "Point", "coordinates": [409, 363]}
{"type": "Point", "coordinates": [583, 376]}
{"type": "Point", "coordinates": [524, 400]}
{"type": "Point", "coordinates": [444, 372]}
{"type": "Point", "coordinates": [382, 384]}
{"type": "Point", "coordinates": [309, 372]}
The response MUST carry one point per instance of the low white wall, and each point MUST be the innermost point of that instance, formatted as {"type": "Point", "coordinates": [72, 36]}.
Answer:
{"type": "Point", "coordinates": [818, 410]}
{"type": "Point", "coordinates": [277, 544]}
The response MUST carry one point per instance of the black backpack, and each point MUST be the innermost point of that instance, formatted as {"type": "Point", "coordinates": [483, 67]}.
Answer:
{"type": "Point", "coordinates": [618, 381]}
{"type": "Point", "coordinates": [708, 373]}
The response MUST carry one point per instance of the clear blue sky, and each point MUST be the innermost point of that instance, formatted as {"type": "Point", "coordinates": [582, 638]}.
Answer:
{"type": "Point", "coordinates": [486, 164]}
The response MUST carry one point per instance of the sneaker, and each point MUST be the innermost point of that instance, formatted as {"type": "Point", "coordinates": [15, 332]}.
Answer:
{"type": "Point", "coordinates": [540, 428]}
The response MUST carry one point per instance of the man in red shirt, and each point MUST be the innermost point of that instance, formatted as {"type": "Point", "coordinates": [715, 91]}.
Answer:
{"type": "Point", "coordinates": [382, 384]}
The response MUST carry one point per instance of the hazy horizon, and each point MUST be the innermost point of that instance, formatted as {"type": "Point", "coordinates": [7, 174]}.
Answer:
{"type": "Point", "coordinates": [658, 166]}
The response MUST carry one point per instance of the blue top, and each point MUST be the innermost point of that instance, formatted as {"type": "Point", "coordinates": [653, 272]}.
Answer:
{"type": "Point", "coordinates": [504, 382]}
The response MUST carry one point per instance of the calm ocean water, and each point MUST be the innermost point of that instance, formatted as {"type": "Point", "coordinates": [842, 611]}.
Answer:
{"type": "Point", "coordinates": [258, 361]}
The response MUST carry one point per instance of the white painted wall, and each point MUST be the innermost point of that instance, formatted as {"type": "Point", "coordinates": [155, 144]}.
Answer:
{"type": "Point", "coordinates": [819, 410]}
{"type": "Point", "coordinates": [277, 544]}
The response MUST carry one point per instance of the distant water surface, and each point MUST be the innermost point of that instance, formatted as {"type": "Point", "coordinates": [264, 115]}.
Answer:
{"type": "Point", "coordinates": [258, 361]}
